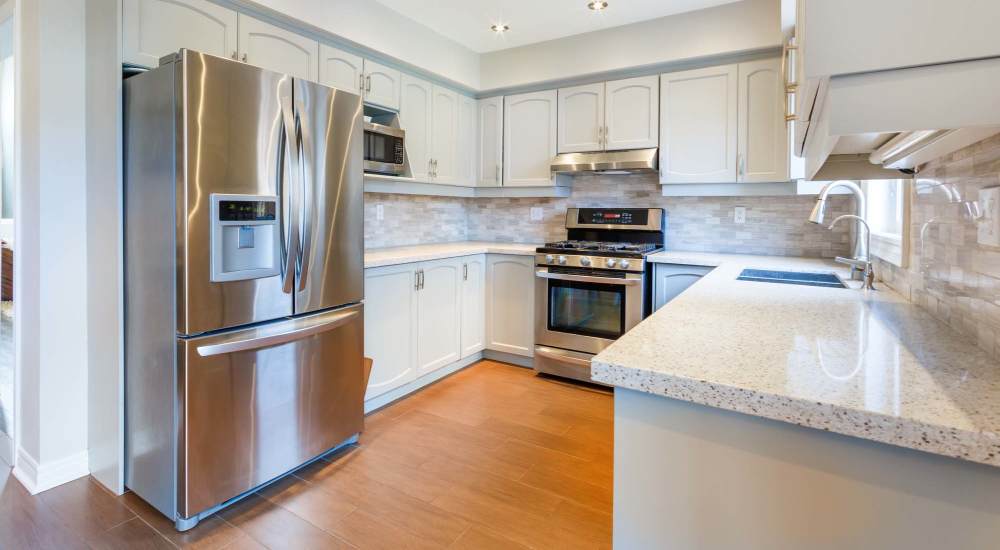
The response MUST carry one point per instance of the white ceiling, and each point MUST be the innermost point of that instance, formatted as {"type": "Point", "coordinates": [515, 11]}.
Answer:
{"type": "Point", "coordinates": [468, 21]}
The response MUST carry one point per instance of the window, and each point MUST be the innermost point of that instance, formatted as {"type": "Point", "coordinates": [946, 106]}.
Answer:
{"type": "Point", "coordinates": [887, 215]}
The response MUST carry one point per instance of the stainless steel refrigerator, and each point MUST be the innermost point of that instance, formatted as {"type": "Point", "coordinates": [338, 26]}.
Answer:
{"type": "Point", "coordinates": [244, 279]}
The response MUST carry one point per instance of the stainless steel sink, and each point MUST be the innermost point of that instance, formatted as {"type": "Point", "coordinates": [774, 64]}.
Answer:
{"type": "Point", "coordinates": [828, 280]}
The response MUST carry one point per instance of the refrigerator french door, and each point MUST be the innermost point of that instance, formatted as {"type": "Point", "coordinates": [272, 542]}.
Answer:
{"type": "Point", "coordinates": [244, 278]}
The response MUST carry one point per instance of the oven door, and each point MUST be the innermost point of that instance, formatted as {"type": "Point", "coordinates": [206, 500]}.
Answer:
{"type": "Point", "coordinates": [586, 311]}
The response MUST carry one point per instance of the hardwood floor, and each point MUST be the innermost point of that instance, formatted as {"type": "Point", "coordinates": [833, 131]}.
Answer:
{"type": "Point", "coordinates": [491, 457]}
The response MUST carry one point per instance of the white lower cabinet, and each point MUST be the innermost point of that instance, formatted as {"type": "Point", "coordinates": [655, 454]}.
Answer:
{"type": "Point", "coordinates": [669, 280]}
{"type": "Point", "coordinates": [439, 314]}
{"type": "Point", "coordinates": [473, 305]}
{"type": "Point", "coordinates": [390, 327]}
{"type": "Point", "coordinates": [426, 316]}
{"type": "Point", "coordinates": [510, 304]}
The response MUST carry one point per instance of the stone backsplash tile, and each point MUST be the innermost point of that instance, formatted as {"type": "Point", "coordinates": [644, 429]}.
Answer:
{"type": "Point", "coordinates": [949, 273]}
{"type": "Point", "coordinates": [775, 225]}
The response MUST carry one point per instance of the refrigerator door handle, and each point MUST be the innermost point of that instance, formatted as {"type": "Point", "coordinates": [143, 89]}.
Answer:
{"type": "Point", "coordinates": [289, 193]}
{"type": "Point", "coordinates": [305, 200]}
{"type": "Point", "coordinates": [309, 327]}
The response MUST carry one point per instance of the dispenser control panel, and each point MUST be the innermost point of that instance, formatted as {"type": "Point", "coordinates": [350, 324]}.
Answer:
{"type": "Point", "coordinates": [245, 237]}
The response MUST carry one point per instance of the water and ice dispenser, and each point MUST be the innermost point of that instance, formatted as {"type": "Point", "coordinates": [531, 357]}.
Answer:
{"type": "Point", "coordinates": [245, 237]}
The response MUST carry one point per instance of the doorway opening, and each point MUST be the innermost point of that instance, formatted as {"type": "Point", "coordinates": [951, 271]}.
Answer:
{"type": "Point", "coordinates": [7, 185]}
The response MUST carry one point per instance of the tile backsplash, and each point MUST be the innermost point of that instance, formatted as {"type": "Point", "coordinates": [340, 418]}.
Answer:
{"type": "Point", "coordinates": [950, 273]}
{"type": "Point", "coordinates": [774, 225]}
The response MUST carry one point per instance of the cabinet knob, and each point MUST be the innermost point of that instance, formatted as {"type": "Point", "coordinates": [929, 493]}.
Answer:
{"type": "Point", "coordinates": [244, 58]}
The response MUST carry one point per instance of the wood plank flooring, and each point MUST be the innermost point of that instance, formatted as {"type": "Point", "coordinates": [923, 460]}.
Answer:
{"type": "Point", "coordinates": [491, 457]}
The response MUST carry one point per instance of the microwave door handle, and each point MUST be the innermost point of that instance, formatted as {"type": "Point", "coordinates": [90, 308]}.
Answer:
{"type": "Point", "coordinates": [305, 186]}
{"type": "Point", "coordinates": [319, 325]}
{"type": "Point", "coordinates": [288, 191]}
{"type": "Point", "coordinates": [588, 279]}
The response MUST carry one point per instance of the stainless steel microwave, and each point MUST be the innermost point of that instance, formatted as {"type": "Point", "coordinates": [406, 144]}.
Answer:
{"type": "Point", "coordinates": [385, 149]}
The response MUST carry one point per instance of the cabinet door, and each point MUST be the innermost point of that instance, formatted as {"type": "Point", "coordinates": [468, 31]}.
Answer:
{"type": "Point", "coordinates": [467, 136]}
{"type": "Point", "coordinates": [763, 134]}
{"type": "Point", "coordinates": [698, 125]}
{"type": "Point", "coordinates": [444, 136]}
{"type": "Point", "coordinates": [529, 141]}
{"type": "Point", "coordinates": [581, 118]}
{"type": "Point", "coordinates": [152, 29]}
{"type": "Point", "coordinates": [473, 305]}
{"type": "Point", "coordinates": [275, 49]}
{"type": "Point", "coordinates": [340, 69]}
{"type": "Point", "coordinates": [632, 113]}
{"type": "Point", "coordinates": [510, 304]}
{"type": "Point", "coordinates": [669, 280]}
{"type": "Point", "coordinates": [489, 155]}
{"type": "Point", "coordinates": [390, 327]}
{"type": "Point", "coordinates": [415, 118]}
{"type": "Point", "coordinates": [382, 85]}
{"type": "Point", "coordinates": [439, 315]}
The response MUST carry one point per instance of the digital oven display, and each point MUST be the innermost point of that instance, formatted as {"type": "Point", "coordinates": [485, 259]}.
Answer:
{"type": "Point", "coordinates": [634, 216]}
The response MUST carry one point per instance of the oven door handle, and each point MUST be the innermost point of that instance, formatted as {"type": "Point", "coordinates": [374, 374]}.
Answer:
{"type": "Point", "coordinates": [550, 353]}
{"type": "Point", "coordinates": [588, 279]}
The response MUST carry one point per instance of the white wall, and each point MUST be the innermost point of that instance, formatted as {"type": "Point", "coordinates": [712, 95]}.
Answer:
{"type": "Point", "coordinates": [106, 414]}
{"type": "Point", "coordinates": [51, 251]}
{"type": "Point", "coordinates": [377, 27]}
{"type": "Point", "coordinates": [727, 29]}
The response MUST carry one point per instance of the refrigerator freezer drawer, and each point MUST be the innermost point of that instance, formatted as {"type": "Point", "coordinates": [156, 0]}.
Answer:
{"type": "Point", "coordinates": [258, 402]}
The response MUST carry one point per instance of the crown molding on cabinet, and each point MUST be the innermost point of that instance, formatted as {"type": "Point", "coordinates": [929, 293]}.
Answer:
{"type": "Point", "coordinates": [375, 183]}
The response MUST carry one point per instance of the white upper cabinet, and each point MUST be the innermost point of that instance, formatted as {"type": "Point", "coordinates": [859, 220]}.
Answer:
{"type": "Point", "coordinates": [152, 29]}
{"type": "Point", "coordinates": [415, 118]}
{"type": "Point", "coordinates": [340, 69]}
{"type": "Point", "coordinates": [444, 136]}
{"type": "Point", "coordinates": [382, 85]}
{"type": "Point", "coordinates": [467, 137]}
{"type": "Point", "coordinates": [439, 315]}
{"type": "Point", "coordinates": [473, 304]}
{"type": "Point", "coordinates": [632, 113]}
{"type": "Point", "coordinates": [698, 120]}
{"type": "Point", "coordinates": [276, 49]}
{"type": "Point", "coordinates": [763, 133]}
{"type": "Point", "coordinates": [489, 146]}
{"type": "Point", "coordinates": [529, 138]}
{"type": "Point", "coordinates": [581, 118]}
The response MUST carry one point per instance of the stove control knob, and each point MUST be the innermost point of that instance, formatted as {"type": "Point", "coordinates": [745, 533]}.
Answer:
{"type": "Point", "coordinates": [562, 260]}
{"type": "Point", "coordinates": [549, 258]}
{"type": "Point", "coordinates": [610, 262]}
{"type": "Point", "coordinates": [624, 264]}
{"type": "Point", "coordinates": [585, 261]}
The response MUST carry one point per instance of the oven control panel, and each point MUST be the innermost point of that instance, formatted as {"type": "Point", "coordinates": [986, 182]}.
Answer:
{"type": "Point", "coordinates": [636, 265]}
{"type": "Point", "coordinates": [616, 219]}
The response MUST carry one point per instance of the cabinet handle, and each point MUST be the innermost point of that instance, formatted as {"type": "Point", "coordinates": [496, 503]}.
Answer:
{"type": "Point", "coordinates": [789, 48]}
{"type": "Point", "coordinates": [368, 83]}
{"type": "Point", "coordinates": [421, 279]}
{"type": "Point", "coordinates": [235, 55]}
{"type": "Point", "coordinates": [600, 137]}
{"type": "Point", "coordinates": [740, 165]}
{"type": "Point", "coordinates": [418, 279]}
{"type": "Point", "coordinates": [361, 82]}
{"type": "Point", "coordinates": [497, 178]}
{"type": "Point", "coordinates": [465, 272]}
{"type": "Point", "coordinates": [244, 58]}
{"type": "Point", "coordinates": [607, 134]}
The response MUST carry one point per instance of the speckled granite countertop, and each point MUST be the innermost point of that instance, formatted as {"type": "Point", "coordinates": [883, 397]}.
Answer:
{"type": "Point", "coordinates": [864, 364]}
{"type": "Point", "coordinates": [378, 257]}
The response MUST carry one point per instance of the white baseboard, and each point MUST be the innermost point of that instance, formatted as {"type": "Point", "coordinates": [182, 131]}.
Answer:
{"type": "Point", "coordinates": [425, 380]}
{"type": "Point", "coordinates": [504, 357]}
{"type": "Point", "coordinates": [37, 478]}
{"type": "Point", "coordinates": [6, 450]}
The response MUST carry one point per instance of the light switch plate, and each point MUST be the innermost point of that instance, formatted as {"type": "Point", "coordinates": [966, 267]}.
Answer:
{"type": "Point", "coordinates": [536, 213]}
{"type": "Point", "coordinates": [989, 224]}
{"type": "Point", "coordinates": [740, 214]}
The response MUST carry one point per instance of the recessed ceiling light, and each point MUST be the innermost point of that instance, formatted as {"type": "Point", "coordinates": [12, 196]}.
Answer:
{"type": "Point", "coordinates": [597, 5]}
{"type": "Point", "coordinates": [500, 28]}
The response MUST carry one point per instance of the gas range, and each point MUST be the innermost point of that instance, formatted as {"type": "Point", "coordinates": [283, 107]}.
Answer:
{"type": "Point", "coordinates": [593, 287]}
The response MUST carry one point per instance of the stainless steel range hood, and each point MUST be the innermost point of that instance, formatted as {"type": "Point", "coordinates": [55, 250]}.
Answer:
{"type": "Point", "coordinates": [636, 161]}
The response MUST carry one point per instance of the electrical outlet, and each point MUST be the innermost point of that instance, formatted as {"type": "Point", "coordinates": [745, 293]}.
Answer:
{"type": "Point", "coordinates": [740, 214]}
{"type": "Point", "coordinates": [536, 213]}
{"type": "Point", "coordinates": [989, 225]}
{"type": "Point", "coordinates": [379, 212]}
